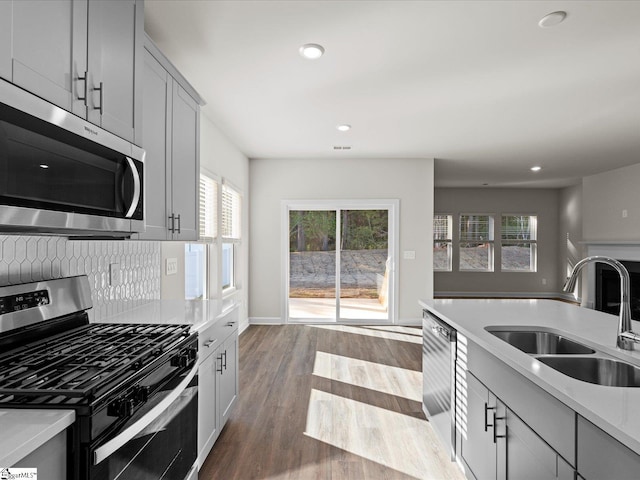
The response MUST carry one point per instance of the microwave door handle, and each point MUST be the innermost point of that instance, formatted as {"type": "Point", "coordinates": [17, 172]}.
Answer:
{"type": "Point", "coordinates": [113, 445]}
{"type": "Point", "coordinates": [136, 188]}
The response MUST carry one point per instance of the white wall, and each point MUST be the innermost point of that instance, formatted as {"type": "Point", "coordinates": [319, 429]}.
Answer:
{"type": "Point", "coordinates": [570, 232]}
{"type": "Point", "coordinates": [273, 180]}
{"type": "Point", "coordinates": [220, 156]}
{"type": "Point", "coordinates": [540, 202]}
{"type": "Point", "coordinates": [605, 196]}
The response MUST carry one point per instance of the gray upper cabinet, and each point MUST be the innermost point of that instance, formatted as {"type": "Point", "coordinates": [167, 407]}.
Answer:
{"type": "Point", "coordinates": [81, 55]}
{"type": "Point", "coordinates": [46, 49]}
{"type": "Point", "coordinates": [116, 29]}
{"type": "Point", "coordinates": [184, 161]}
{"type": "Point", "coordinates": [170, 139]}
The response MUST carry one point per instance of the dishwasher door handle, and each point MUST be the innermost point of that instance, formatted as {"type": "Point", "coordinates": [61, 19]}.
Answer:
{"type": "Point", "coordinates": [441, 332]}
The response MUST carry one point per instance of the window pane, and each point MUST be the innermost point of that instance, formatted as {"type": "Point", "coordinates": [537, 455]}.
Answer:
{"type": "Point", "coordinates": [195, 273]}
{"type": "Point", "coordinates": [442, 256]}
{"type": "Point", "coordinates": [519, 257]}
{"type": "Point", "coordinates": [208, 208]}
{"type": "Point", "coordinates": [476, 228]}
{"type": "Point", "coordinates": [230, 212]}
{"type": "Point", "coordinates": [228, 280]}
{"type": "Point", "coordinates": [476, 256]}
{"type": "Point", "coordinates": [442, 227]}
{"type": "Point", "coordinates": [518, 227]}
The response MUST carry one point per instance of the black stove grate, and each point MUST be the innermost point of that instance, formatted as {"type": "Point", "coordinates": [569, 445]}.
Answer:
{"type": "Point", "coordinates": [79, 362]}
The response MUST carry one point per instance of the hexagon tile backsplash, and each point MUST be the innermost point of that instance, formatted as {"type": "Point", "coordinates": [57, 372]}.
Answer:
{"type": "Point", "coordinates": [25, 259]}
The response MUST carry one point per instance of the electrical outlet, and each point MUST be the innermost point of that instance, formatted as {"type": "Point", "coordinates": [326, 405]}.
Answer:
{"type": "Point", "coordinates": [409, 255]}
{"type": "Point", "coordinates": [114, 274]}
{"type": "Point", "coordinates": [544, 281]}
{"type": "Point", "coordinates": [625, 214]}
{"type": "Point", "coordinates": [172, 266]}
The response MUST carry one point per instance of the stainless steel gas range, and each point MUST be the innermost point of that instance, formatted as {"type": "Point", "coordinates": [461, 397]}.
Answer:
{"type": "Point", "coordinates": [133, 387]}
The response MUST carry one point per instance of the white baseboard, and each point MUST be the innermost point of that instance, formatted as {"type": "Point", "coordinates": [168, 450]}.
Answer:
{"type": "Point", "coordinates": [265, 321]}
{"type": "Point", "coordinates": [244, 324]}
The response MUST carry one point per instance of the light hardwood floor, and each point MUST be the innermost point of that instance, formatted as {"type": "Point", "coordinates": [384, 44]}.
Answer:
{"type": "Point", "coordinates": [329, 402]}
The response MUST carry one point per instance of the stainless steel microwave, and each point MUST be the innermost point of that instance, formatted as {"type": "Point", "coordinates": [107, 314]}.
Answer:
{"type": "Point", "coordinates": [63, 175]}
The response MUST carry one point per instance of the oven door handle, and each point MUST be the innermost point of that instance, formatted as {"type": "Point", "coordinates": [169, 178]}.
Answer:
{"type": "Point", "coordinates": [115, 443]}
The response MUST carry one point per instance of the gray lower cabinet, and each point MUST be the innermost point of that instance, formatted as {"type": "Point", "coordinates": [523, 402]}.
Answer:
{"type": "Point", "coordinates": [602, 456]}
{"type": "Point", "coordinates": [499, 445]}
{"type": "Point", "coordinates": [170, 136]}
{"type": "Point", "coordinates": [49, 458]}
{"type": "Point", "coordinates": [217, 380]}
{"type": "Point", "coordinates": [81, 55]}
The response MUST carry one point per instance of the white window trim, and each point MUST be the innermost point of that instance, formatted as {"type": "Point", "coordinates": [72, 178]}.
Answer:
{"type": "Point", "coordinates": [392, 205]}
{"type": "Point", "coordinates": [216, 178]}
{"type": "Point", "coordinates": [533, 260]}
{"type": "Point", "coordinates": [491, 242]}
{"type": "Point", "coordinates": [449, 241]}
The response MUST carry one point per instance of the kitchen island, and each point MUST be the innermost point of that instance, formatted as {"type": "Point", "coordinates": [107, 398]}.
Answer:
{"type": "Point", "coordinates": [611, 409]}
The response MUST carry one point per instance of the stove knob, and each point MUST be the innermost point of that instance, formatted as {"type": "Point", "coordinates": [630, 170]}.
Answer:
{"type": "Point", "coordinates": [141, 394]}
{"type": "Point", "coordinates": [120, 408]}
{"type": "Point", "coordinates": [193, 353]}
{"type": "Point", "coordinates": [181, 360]}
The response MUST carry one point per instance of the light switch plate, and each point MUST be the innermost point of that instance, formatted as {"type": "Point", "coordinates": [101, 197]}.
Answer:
{"type": "Point", "coordinates": [409, 254]}
{"type": "Point", "coordinates": [172, 266]}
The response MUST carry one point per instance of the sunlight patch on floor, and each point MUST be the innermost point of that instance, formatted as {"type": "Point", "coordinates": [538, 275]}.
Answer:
{"type": "Point", "coordinates": [374, 376]}
{"type": "Point", "coordinates": [389, 332]}
{"type": "Point", "coordinates": [400, 442]}
{"type": "Point", "coordinates": [325, 308]}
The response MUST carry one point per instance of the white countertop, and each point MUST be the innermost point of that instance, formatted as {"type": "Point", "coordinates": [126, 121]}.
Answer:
{"type": "Point", "coordinates": [615, 410]}
{"type": "Point", "coordinates": [197, 313]}
{"type": "Point", "coordinates": [23, 431]}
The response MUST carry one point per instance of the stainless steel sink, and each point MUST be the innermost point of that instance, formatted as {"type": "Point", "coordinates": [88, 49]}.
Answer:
{"type": "Point", "coordinates": [537, 342]}
{"type": "Point", "coordinates": [601, 371]}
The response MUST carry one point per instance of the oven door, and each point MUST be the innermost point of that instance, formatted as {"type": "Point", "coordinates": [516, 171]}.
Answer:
{"type": "Point", "coordinates": [161, 443]}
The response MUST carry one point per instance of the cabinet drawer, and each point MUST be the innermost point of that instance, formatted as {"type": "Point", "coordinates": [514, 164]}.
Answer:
{"type": "Point", "coordinates": [602, 456]}
{"type": "Point", "coordinates": [545, 414]}
{"type": "Point", "coordinates": [215, 334]}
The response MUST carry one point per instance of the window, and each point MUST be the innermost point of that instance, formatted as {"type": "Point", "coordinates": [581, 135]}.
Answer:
{"type": "Point", "coordinates": [518, 243]}
{"type": "Point", "coordinates": [195, 279]}
{"type": "Point", "coordinates": [476, 243]}
{"type": "Point", "coordinates": [230, 230]}
{"type": "Point", "coordinates": [442, 243]}
{"type": "Point", "coordinates": [208, 219]}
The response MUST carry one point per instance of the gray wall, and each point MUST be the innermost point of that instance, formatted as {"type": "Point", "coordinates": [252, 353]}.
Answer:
{"type": "Point", "coordinates": [272, 180]}
{"type": "Point", "coordinates": [605, 196]}
{"type": "Point", "coordinates": [541, 202]}
{"type": "Point", "coordinates": [570, 249]}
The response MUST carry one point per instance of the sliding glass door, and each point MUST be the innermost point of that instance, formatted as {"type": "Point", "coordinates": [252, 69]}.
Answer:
{"type": "Point", "coordinates": [339, 261]}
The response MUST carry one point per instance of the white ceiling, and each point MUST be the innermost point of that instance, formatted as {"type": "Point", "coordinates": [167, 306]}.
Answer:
{"type": "Point", "coordinates": [475, 84]}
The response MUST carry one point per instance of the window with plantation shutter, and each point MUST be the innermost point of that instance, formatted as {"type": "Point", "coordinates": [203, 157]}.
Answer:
{"type": "Point", "coordinates": [230, 213]}
{"type": "Point", "coordinates": [208, 208]}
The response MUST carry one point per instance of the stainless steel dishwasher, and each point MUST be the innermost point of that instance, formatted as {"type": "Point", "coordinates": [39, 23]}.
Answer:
{"type": "Point", "coordinates": [438, 377]}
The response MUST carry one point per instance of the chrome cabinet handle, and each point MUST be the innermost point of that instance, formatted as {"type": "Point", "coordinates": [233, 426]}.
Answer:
{"type": "Point", "coordinates": [178, 219]}
{"type": "Point", "coordinates": [230, 324]}
{"type": "Point", "coordinates": [220, 360]}
{"type": "Point", "coordinates": [486, 416]}
{"type": "Point", "coordinates": [210, 342]}
{"type": "Point", "coordinates": [84, 79]}
{"type": "Point", "coordinates": [225, 359]}
{"type": "Point", "coordinates": [172, 219]}
{"type": "Point", "coordinates": [495, 434]}
{"type": "Point", "coordinates": [101, 90]}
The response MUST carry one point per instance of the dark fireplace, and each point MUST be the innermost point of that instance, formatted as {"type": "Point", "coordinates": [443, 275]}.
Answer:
{"type": "Point", "coordinates": [608, 288]}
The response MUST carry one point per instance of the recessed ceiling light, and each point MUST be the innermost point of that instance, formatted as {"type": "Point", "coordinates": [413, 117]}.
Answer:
{"type": "Point", "coordinates": [537, 168]}
{"type": "Point", "coordinates": [344, 127]}
{"type": "Point", "coordinates": [552, 19]}
{"type": "Point", "coordinates": [44, 165]}
{"type": "Point", "coordinates": [311, 51]}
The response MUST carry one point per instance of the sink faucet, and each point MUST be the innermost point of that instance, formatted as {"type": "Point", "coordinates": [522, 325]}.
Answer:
{"type": "Point", "coordinates": [626, 337]}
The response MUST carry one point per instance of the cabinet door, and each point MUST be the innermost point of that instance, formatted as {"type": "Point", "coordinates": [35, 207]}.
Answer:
{"type": "Point", "coordinates": [528, 457]}
{"type": "Point", "coordinates": [184, 164]}
{"type": "Point", "coordinates": [207, 406]}
{"type": "Point", "coordinates": [6, 15]}
{"type": "Point", "coordinates": [602, 456]}
{"type": "Point", "coordinates": [114, 47]}
{"type": "Point", "coordinates": [229, 378]}
{"type": "Point", "coordinates": [49, 50]}
{"type": "Point", "coordinates": [477, 448]}
{"type": "Point", "coordinates": [156, 107]}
